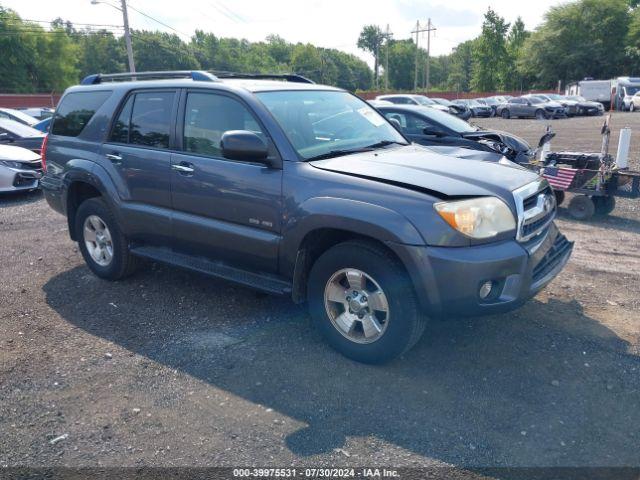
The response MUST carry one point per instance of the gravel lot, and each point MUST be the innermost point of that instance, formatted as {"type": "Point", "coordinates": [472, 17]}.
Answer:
{"type": "Point", "coordinates": [170, 368]}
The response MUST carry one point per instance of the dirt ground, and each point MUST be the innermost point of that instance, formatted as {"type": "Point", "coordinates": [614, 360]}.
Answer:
{"type": "Point", "coordinates": [169, 368]}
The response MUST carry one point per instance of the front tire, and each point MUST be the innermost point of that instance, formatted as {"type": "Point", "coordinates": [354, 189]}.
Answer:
{"type": "Point", "coordinates": [604, 205]}
{"type": "Point", "coordinates": [505, 114]}
{"type": "Point", "coordinates": [541, 115]}
{"type": "Point", "coordinates": [104, 247]}
{"type": "Point", "coordinates": [581, 207]}
{"type": "Point", "coordinates": [363, 303]}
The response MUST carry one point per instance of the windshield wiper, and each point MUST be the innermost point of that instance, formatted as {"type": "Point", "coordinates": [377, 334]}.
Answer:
{"type": "Point", "coordinates": [384, 143]}
{"type": "Point", "coordinates": [335, 153]}
{"type": "Point", "coordinates": [368, 148]}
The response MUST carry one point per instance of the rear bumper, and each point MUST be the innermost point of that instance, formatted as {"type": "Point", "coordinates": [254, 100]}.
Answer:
{"type": "Point", "coordinates": [52, 189]}
{"type": "Point", "coordinates": [448, 280]}
{"type": "Point", "coordinates": [17, 179]}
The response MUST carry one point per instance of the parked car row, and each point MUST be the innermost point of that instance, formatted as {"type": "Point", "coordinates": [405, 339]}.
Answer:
{"type": "Point", "coordinates": [540, 106]}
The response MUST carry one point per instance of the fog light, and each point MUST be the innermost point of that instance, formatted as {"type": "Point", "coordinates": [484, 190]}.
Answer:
{"type": "Point", "coordinates": [485, 289]}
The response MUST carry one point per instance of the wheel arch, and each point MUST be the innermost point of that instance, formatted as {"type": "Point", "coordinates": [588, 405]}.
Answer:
{"type": "Point", "coordinates": [84, 180]}
{"type": "Point", "coordinates": [330, 221]}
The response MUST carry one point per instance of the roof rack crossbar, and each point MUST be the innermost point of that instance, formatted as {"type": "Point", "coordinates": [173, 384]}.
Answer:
{"type": "Point", "coordinates": [289, 77]}
{"type": "Point", "coordinates": [197, 75]}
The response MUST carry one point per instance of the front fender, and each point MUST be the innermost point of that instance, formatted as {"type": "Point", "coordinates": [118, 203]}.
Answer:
{"type": "Point", "coordinates": [354, 216]}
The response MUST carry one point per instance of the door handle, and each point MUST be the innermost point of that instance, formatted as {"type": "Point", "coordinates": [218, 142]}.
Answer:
{"type": "Point", "coordinates": [183, 168]}
{"type": "Point", "coordinates": [115, 158]}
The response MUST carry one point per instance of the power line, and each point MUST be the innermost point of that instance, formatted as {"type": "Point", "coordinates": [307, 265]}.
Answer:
{"type": "Point", "coordinates": [156, 20]}
{"type": "Point", "coordinates": [64, 22]}
{"type": "Point", "coordinates": [418, 31]}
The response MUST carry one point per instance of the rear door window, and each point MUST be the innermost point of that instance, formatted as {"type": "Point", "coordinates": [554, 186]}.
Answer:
{"type": "Point", "coordinates": [76, 110]}
{"type": "Point", "coordinates": [151, 119]}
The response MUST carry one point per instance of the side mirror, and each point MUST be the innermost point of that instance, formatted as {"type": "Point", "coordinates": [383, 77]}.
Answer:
{"type": "Point", "coordinates": [244, 145]}
{"type": "Point", "coordinates": [396, 123]}
{"type": "Point", "coordinates": [529, 103]}
{"type": "Point", "coordinates": [433, 131]}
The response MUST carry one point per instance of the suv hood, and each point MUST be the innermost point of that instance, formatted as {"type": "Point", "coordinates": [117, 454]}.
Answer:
{"type": "Point", "coordinates": [421, 169]}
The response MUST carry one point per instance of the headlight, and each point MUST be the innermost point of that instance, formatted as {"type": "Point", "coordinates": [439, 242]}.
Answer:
{"type": "Point", "coordinates": [11, 164]}
{"type": "Point", "coordinates": [483, 217]}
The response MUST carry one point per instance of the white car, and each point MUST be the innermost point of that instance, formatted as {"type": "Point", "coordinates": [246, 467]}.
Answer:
{"type": "Point", "coordinates": [39, 113]}
{"type": "Point", "coordinates": [406, 99]}
{"type": "Point", "coordinates": [20, 169]}
{"type": "Point", "coordinates": [17, 116]}
{"type": "Point", "coordinates": [634, 104]}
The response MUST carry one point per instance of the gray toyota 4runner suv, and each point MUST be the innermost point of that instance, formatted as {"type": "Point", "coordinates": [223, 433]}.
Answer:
{"type": "Point", "coordinates": [296, 189]}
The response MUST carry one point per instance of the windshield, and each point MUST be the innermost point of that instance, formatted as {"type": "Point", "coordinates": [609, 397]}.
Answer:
{"type": "Point", "coordinates": [442, 101]}
{"type": "Point", "coordinates": [320, 122]}
{"type": "Point", "coordinates": [474, 103]}
{"type": "Point", "coordinates": [491, 101]}
{"type": "Point", "coordinates": [423, 100]}
{"type": "Point", "coordinates": [577, 98]}
{"type": "Point", "coordinates": [450, 121]}
{"type": "Point", "coordinates": [29, 120]}
{"type": "Point", "coordinates": [554, 96]}
{"type": "Point", "coordinates": [22, 131]}
{"type": "Point", "coordinates": [536, 100]}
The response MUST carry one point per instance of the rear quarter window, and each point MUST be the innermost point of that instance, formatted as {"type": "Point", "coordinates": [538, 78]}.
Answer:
{"type": "Point", "coordinates": [75, 111]}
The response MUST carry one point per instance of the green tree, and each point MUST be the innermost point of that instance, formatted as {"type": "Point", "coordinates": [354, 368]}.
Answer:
{"type": "Point", "coordinates": [161, 51]}
{"type": "Point", "coordinates": [490, 54]}
{"type": "Point", "coordinates": [461, 70]}
{"type": "Point", "coordinates": [100, 52]}
{"type": "Point", "coordinates": [579, 39]}
{"type": "Point", "coordinates": [514, 79]}
{"type": "Point", "coordinates": [633, 43]}
{"type": "Point", "coordinates": [370, 40]}
{"type": "Point", "coordinates": [402, 54]}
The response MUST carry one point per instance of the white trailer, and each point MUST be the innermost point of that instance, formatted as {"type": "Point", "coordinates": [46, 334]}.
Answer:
{"type": "Point", "coordinates": [593, 90]}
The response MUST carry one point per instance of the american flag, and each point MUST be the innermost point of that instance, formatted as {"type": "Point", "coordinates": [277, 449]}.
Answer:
{"type": "Point", "coordinates": [558, 177]}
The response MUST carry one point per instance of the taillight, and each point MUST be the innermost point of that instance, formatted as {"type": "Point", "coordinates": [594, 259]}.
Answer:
{"type": "Point", "coordinates": [43, 153]}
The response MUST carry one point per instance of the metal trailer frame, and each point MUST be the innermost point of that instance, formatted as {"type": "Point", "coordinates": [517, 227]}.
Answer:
{"type": "Point", "coordinates": [595, 194]}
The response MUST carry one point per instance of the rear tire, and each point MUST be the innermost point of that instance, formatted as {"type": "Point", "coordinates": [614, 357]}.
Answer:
{"type": "Point", "coordinates": [505, 114]}
{"type": "Point", "coordinates": [581, 207]}
{"type": "Point", "coordinates": [117, 264]}
{"type": "Point", "coordinates": [395, 332]}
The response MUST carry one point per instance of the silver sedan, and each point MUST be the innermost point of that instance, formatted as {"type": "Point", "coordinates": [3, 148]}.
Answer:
{"type": "Point", "coordinates": [20, 169]}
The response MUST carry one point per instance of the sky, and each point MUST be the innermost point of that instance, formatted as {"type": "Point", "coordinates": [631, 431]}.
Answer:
{"type": "Point", "coordinates": [325, 23]}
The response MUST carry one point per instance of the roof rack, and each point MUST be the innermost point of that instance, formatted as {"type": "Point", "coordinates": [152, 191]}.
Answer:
{"type": "Point", "coordinates": [289, 77]}
{"type": "Point", "coordinates": [196, 75]}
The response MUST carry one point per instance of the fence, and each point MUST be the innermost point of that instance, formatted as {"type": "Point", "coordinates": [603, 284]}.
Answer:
{"type": "Point", "coordinates": [16, 100]}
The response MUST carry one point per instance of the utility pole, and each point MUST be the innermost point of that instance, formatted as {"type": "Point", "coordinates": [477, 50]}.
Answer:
{"type": "Point", "coordinates": [127, 32]}
{"type": "Point", "coordinates": [418, 31]}
{"type": "Point", "coordinates": [430, 28]}
{"type": "Point", "coordinates": [415, 75]}
{"type": "Point", "coordinates": [127, 36]}
{"type": "Point", "coordinates": [387, 36]}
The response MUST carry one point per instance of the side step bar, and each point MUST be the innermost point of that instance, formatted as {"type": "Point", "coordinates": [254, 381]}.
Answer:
{"type": "Point", "coordinates": [264, 282]}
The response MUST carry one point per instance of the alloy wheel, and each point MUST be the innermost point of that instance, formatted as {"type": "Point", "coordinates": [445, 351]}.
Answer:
{"type": "Point", "coordinates": [356, 305]}
{"type": "Point", "coordinates": [97, 239]}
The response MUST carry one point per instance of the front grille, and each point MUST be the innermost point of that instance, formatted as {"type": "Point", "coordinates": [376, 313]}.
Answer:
{"type": "Point", "coordinates": [536, 207]}
{"type": "Point", "coordinates": [529, 229]}
{"type": "Point", "coordinates": [551, 259]}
